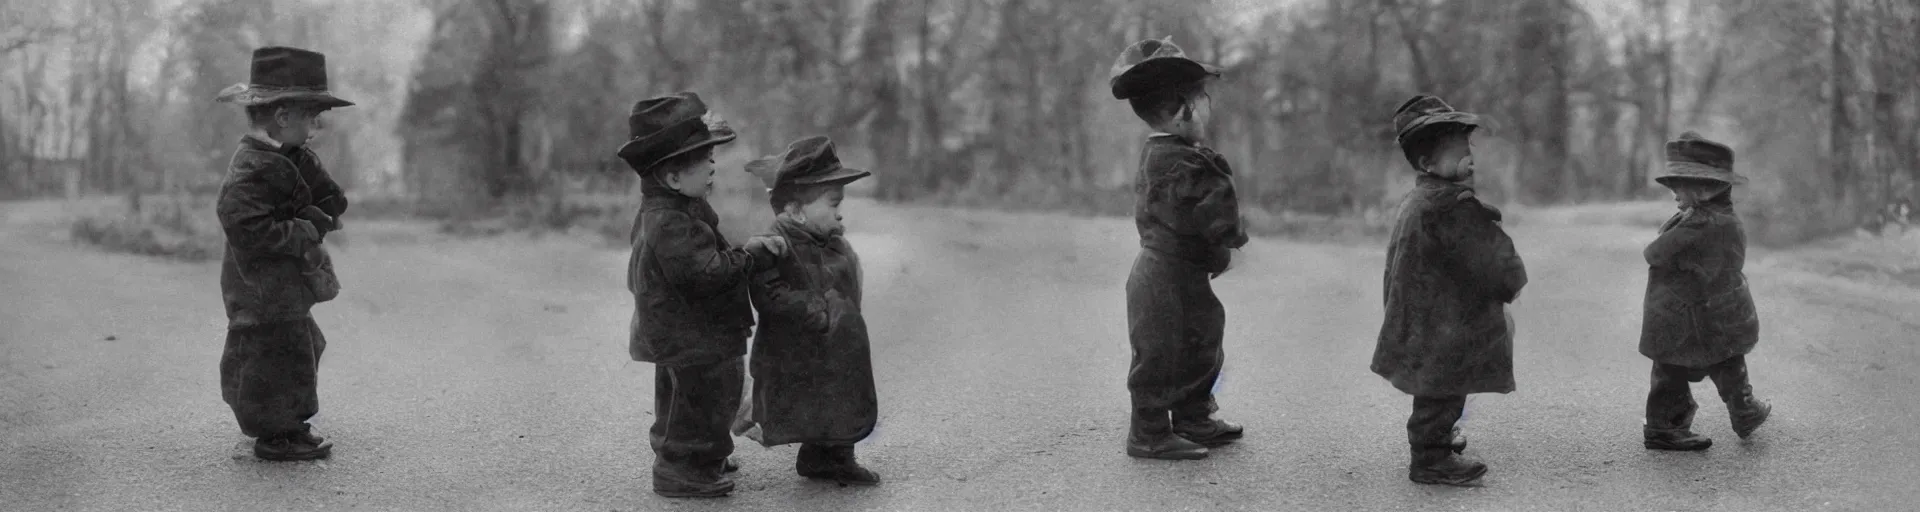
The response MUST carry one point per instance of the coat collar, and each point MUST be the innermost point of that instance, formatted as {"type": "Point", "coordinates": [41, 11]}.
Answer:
{"type": "Point", "coordinates": [263, 142]}
{"type": "Point", "coordinates": [656, 195]}
{"type": "Point", "coordinates": [798, 233]}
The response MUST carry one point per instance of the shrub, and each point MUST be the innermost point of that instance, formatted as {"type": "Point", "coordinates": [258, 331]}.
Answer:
{"type": "Point", "coordinates": [175, 228]}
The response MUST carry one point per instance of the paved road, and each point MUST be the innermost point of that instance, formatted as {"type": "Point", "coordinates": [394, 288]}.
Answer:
{"type": "Point", "coordinates": [492, 375]}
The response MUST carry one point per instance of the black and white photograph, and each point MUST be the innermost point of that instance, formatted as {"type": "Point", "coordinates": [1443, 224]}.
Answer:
{"type": "Point", "coordinates": [971, 255]}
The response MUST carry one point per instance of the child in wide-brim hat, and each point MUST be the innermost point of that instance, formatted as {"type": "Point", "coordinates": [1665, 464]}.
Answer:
{"type": "Point", "coordinates": [812, 366]}
{"type": "Point", "coordinates": [691, 311]}
{"type": "Point", "coordinates": [1699, 317]}
{"type": "Point", "coordinates": [1450, 272]}
{"type": "Point", "coordinates": [1189, 222]}
{"type": "Point", "coordinates": [276, 206]}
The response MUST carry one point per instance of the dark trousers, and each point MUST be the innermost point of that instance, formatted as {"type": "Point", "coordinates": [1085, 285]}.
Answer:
{"type": "Point", "coordinates": [1670, 403]}
{"type": "Point", "coordinates": [269, 376]}
{"type": "Point", "coordinates": [1431, 424]}
{"type": "Point", "coordinates": [1175, 325]}
{"type": "Point", "coordinates": [693, 406]}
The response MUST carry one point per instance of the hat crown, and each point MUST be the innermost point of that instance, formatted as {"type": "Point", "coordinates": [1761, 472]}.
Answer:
{"type": "Point", "coordinates": [1149, 49]}
{"type": "Point", "coordinates": [652, 115]}
{"type": "Point", "coordinates": [807, 157]}
{"type": "Point", "coordinates": [1690, 147]}
{"type": "Point", "coordinates": [288, 68]}
{"type": "Point", "coordinates": [1417, 107]}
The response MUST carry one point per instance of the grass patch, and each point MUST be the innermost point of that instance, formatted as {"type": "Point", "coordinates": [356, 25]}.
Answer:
{"type": "Point", "coordinates": [180, 228]}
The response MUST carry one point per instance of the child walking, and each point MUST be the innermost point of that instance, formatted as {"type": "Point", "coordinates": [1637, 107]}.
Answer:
{"type": "Point", "coordinates": [276, 206]}
{"type": "Point", "coordinates": [1699, 320]}
{"type": "Point", "coordinates": [1451, 271]}
{"type": "Point", "coordinates": [1189, 222]}
{"type": "Point", "coordinates": [812, 366]}
{"type": "Point", "coordinates": [691, 312]}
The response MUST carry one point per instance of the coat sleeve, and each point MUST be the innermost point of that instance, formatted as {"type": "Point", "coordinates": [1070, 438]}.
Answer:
{"type": "Point", "coordinates": [1476, 248]}
{"type": "Point", "coordinates": [687, 254]}
{"type": "Point", "coordinates": [1682, 232]}
{"type": "Point", "coordinates": [783, 300]}
{"type": "Point", "coordinates": [246, 216]}
{"type": "Point", "coordinates": [1205, 193]}
{"type": "Point", "coordinates": [327, 193]}
{"type": "Point", "coordinates": [859, 275]}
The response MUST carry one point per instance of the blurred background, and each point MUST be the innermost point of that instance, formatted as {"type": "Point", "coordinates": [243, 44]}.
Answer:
{"type": "Point", "coordinates": [478, 353]}
{"type": "Point", "coordinates": [504, 114]}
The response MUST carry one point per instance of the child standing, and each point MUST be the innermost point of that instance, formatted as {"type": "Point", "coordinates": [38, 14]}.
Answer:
{"type": "Point", "coordinates": [276, 206]}
{"type": "Point", "coordinates": [691, 313]}
{"type": "Point", "coordinates": [1450, 273]}
{"type": "Point", "coordinates": [1189, 221]}
{"type": "Point", "coordinates": [1700, 320]}
{"type": "Point", "coordinates": [812, 366]}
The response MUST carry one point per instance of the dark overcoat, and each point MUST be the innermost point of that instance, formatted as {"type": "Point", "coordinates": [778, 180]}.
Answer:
{"type": "Point", "coordinates": [812, 367]}
{"type": "Point", "coordinates": [1185, 205]}
{"type": "Point", "coordinates": [1451, 271]}
{"type": "Point", "coordinates": [1188, 217]}
{"type": "Point", "coordinates": [267, 245]}
{"type": "Point", "coordinates": [689, 285]}
{"type": "Point", "coordinates": [1698, 308]}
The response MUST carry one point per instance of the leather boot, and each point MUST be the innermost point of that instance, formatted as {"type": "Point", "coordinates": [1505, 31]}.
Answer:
{"type": "Point", "coordinates": [1438, 465]}
{"type": "Point", "coordinates": [674, 487]}
{"type": "Point", "coordinates": [1747, 412]}
{"type": "Point", "coordinates": [1675, 439]}
{"type": "Point", "coordinates": [1209, 432]}
{"type": "Point", "coordinates": [295, 447]}
{"type": "Point", "coordinates": [835, 463]}
{"type": "Point", "coordinates": [1152, 437]}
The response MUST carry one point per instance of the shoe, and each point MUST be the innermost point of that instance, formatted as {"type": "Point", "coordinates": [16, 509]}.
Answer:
{"type": "Point", "coordinates": [1676, 439]}
{"type": "Point", "coordinates": [309, 438]}
{"type": "Point", "coordinates": [1170, 447]}
{"type": "Point", "coordinates": [835, 463]}
{"type": "Point", "coordinates": [291, 448]}
{"type": "Point", "coordinates": [1748, 414]}
{"type": "Point", "coordinates": [1212, 433]}
{"type": "Point", "coordinates": [672, 489]}
{"type": "Point", "coordinates": [844, 474]}
{"type": "Point", "coordinates": [1439, 466]}
{"type": "Point", "coordinates": [731, 466]}
{"type": "Point", "coordinates": [1457, 441]}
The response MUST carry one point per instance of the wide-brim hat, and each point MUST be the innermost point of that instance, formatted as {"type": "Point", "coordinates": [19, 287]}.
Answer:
{"type": "Point", "coordinates": [669, 126]}
{"type": "Point", "coordinates": [1152, 65]}
{"type": "Point", "coordinates": [1425, 112]}
{"type": "Point", "coordinates": [806, 162]}
{"type": "Point", "coordinates": [284, 74]}
{"type": "Point", "coordinates": [1694, 157]}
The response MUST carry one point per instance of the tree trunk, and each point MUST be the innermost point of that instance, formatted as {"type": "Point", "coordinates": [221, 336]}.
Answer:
{"type": "Point", "coordinates": [1840, 144]}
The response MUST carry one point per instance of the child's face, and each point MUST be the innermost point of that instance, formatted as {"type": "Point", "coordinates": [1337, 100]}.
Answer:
{"type": "Point", "coordinates": [1686, 191]}
{"type": "Point", "coordinates": [823, 212]}
{"type": "Point", "coordinates": [695, 181]}
{"type": "Point", "coordinates": [1192, 119]}
{"type": "Point", "coordinates": [1452, 158]}
{"type": "Point", "coordinates": [297, 125]}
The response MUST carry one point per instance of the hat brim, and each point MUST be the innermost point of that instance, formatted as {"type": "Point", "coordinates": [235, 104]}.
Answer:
{"type": "Point", "coordinates": [1699, 171]}
{"type": "Point", "coordinates": [1159, 73]}
{"type": "Point", "coordinates": [630, 150]}
{"type": "Point", "coordinates": [249, 95]}
{"type": "Point", "coordinates": [840, 176]}
{"type": "Point", "coordinates": [1467, 119]}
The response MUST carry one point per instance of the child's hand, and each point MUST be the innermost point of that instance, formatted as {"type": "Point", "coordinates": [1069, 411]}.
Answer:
{"type": "Point", "coordinates": [321, 221]}
{"type": "Point", "coordinates": [777, 246]}
{"type": "Point", "coordinates": [1233, 256]}
{"type": "Point", "coordinates": [1492, 211]}
{"type": "Point", "coordinates": [306, 228]}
